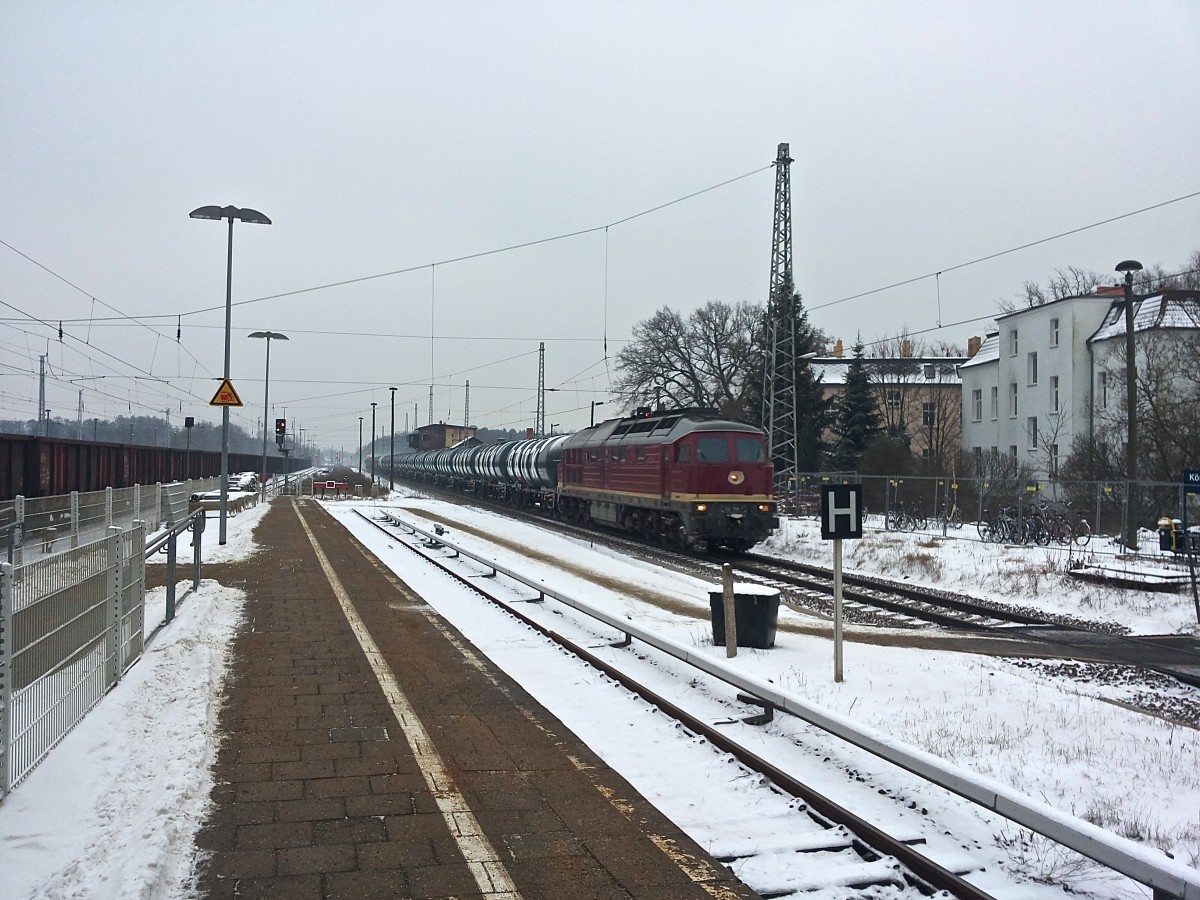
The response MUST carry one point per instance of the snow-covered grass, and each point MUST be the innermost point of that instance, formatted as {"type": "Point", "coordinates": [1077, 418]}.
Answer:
{"type": "Point", "coordinates": [1036, 577]}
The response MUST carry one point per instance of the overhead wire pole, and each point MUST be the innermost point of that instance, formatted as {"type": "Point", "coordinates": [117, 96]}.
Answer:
{"type": "Point", "coordinates": [540, 424]}
{"type": "Point", "coordinates": [779, 376]}
{"type": "Point", "coordinates": [392, 448]}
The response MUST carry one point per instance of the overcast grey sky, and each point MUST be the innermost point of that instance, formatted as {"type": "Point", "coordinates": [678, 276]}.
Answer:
{"type": "Point", "coordinates": [392, 136]}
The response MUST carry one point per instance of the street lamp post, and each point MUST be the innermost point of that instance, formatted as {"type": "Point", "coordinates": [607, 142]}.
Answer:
{"type": "Point", "coordinates": [595, 403]}
{"type": "Point", "coordinates": [360, 421]}
{"type": "Point", "coordinates": [254, 217]}
{"type": "Point", "coordinates": [269, 336]}
{"type": "Point", "coordinates": [392, 449]}
{"type": "Point", "coordinates": [1129, 266]}
{"type": "Point", "coordinates": [373, 404]}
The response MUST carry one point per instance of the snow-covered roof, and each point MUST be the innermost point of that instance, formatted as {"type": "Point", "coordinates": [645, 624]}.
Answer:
{"type": "Point", "coordinates": [989, 351]}
{"type": "Point", "coordinates": [1167, 309]}
{"type": "Point", "coordinates": [833, 370]}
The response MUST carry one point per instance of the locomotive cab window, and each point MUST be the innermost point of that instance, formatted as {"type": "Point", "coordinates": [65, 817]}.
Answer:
{"type": "Point", "coordinates": [712, 449]}
{"type": "Point", "coordinates": [750, 450]}
{"type": "Point", "coordinates": [685, 453]}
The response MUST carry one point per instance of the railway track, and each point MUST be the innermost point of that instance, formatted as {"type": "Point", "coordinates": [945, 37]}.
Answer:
{"type": "Point", "coordinates": [822, 835]}
{"type": "Point", "coordinates": [878, 602]}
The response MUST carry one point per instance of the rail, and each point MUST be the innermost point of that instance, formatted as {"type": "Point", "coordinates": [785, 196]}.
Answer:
{"type": "Point", "coordinates": [1166, 877]}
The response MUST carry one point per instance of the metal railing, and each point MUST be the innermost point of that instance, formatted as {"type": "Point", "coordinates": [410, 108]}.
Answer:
{"type": "Point", "coordinates": [1147, 866]}
{"type": "Point", "coordinates": [71, 624]}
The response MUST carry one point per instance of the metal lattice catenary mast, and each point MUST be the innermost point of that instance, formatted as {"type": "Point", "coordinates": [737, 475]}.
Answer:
{"type": "Point", "coordinates": [540, 425]}
{"type": "Point", "coordinates": [779, 384]}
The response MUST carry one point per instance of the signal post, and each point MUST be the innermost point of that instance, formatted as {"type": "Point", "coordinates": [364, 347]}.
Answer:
{"type": "Point", "coordinates": [841, 518]}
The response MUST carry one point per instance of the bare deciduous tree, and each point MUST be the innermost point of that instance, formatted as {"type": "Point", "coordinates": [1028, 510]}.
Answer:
{"type": "Point", "coordinates": [1069, 282]}
{"type": "Point", "coordinates": [709, 359]}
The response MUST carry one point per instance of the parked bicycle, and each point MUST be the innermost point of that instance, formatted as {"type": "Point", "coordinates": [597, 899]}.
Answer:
{"type": "Point", "coordinates": [950, 518]}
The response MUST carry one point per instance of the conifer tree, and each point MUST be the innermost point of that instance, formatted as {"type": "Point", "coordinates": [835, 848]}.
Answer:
{"type": "Point", "coordinates": [855, 421]}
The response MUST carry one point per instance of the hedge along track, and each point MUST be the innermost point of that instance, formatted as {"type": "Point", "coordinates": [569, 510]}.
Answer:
{"type": "Point", "coordinates": [870, 841]}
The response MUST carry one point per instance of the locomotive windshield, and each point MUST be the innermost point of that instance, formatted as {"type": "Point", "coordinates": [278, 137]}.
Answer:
{"type": "Point", "coordinates": [750, 450]}
{"type": "Point", "coordinates": [712, 449]}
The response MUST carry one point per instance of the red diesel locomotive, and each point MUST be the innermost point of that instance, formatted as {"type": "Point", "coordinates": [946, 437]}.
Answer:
{"type": "Point", "coordinates": [688, 478]}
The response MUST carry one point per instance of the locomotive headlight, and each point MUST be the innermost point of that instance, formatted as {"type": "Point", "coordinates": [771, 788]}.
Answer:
{"type": "Point", "coordinates": [764, 507]}
{"type": "Point", "coordinates": [701, 507]}
{"type": "Point", "coordinates": [736, 477]}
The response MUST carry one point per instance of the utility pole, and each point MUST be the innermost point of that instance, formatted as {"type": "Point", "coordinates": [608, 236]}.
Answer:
{"type": "Point", "coordinates": [467, 405]}
{"type": "Point", "coordinates": [780, 419]}
{"type": "Point", "coordinates": [391, 459]}
{"type": "Point", "coordinates": [79, 417]}
{"type": "Point", "coordinates": [430, 422]}
{"type": "Point", "coordinates": [1128, 267]}
{"type": "Point", "coordinates": [373, 402]}
{"type": "Point", "coordinates": [540, 426]}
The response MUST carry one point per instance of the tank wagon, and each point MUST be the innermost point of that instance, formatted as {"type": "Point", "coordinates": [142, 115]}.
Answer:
{"type": "Point", "coordinates": [687, 478]}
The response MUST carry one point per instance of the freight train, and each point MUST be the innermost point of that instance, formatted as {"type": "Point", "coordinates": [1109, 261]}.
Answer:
{"type": "Point", "coordinates": [687, 478]}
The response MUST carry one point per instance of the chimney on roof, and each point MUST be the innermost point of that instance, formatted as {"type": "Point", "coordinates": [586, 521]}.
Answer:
{"type": "Point", "coordinates": [906, 348]}
{"type": "Point", "coordinates": [1109, 290]}
{"type": "Point", "coordinates": [973, 345]}
{"type": "Point", "coordinates": [529, 434]}
{"type": "Point", "coordinates": [837, 348]}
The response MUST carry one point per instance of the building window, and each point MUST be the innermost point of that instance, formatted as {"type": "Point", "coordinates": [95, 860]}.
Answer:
{"type": "Point", "coordinates": [1031, 430]}
{"type": "Point", "coordinates": [1053, 393]}
{"type": "Point", "coordinates": [930, 371]}
{"type": "Point", "coordinates": [1031, 365]}
{"type": "Point", "coordinates": [1012, 399]}
{"type": "Point", "coordinates": [977, 405]}
{"type": "Point", "coordinates": [929, 415]}
{"type": "Point", "coordinates": [893, 398]}
{"type": "Point", "coordinates": [1054, 332]}
{"type": "Point", "coordinates": [1054, 460]}
{"type": "Point", "coordinates": [1102, 389]}
{"type": "Point", "coordinates": [977, 452]}
{"type": "Point", "coordinates": [1012, 342]}
{"type": "Point", "coordinates": [927, 453]}
{"type": "Point", "coordinates": [995, 403]}
{"type": "Point", "coordinates": [1012, 452]}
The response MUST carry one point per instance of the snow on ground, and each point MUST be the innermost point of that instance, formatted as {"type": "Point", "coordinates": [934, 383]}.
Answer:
{"type": "Point", "coordinates": [1057, 739]}
{"type": "Point", "coordinates": [1031, 576]}
{"type": "Point", "coordinates": [112, 811]}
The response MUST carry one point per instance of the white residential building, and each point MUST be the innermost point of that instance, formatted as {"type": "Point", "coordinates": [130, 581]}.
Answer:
{"type": "Point", "coordinates": [1043, 378]}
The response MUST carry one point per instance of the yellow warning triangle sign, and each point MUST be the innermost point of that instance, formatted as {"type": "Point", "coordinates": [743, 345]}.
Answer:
{"type": "Point", "coordinates": [225, 395]}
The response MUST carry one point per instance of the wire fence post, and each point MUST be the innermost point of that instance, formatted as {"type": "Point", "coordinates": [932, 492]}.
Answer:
{"type": "Point", "coordinates": [108, 512]}
{"type": "Point", "coordinates": [74, 520]}
{"type": "Point", "coordinates": [16, 557]}
{"type": "Point", "coordinates": [112, 552]}
{"type": "Point", "coordinates": [6, 690]}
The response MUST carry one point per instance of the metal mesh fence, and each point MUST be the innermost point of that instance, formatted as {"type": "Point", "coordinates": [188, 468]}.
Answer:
{"type": "Point", "coordinates": [966, 506]}
{"type": "Point", "coordinates": [70, 624]}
